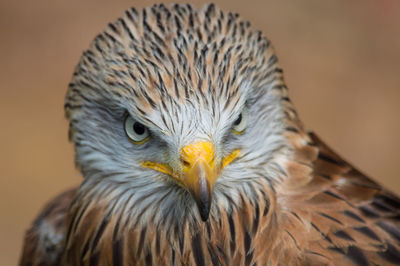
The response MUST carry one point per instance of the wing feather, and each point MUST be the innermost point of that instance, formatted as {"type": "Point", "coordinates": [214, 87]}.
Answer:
{"type": "Point", "coordinates": [355, 219]}
{"type": "Point", "coordinates": [44, 241]}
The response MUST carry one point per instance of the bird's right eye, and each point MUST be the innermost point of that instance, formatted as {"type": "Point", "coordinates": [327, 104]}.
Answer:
{"type": "Point", "coordinates": [136, 131]}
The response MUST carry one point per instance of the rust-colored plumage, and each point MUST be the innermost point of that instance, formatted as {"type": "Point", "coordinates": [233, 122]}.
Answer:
{"type": "Point", "coordinates": [217, 168]}
{"type": "Point", "coordinates": [45, 239]}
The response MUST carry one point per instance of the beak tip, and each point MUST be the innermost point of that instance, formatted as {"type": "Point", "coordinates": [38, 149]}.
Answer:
{"type": "Point", "coordinates": [203, 202]}
{"type": "Point", "coordinates": [204, 213]}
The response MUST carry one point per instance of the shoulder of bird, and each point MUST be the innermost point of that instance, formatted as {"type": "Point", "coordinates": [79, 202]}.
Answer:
{"type": "Point", "coordinates": [284, 199]}
{"type": "Point", "coordinates": [44, 240]}
{"type": "Point", "coordinates": [327, 213]}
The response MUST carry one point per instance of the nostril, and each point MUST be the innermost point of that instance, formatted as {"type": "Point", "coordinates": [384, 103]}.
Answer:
{"type": "Point", "coordinates": [212, 160]}
{"type": "Point", "coordinates": [185, 163]}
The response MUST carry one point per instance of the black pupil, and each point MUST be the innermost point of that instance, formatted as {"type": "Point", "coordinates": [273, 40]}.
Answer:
{"type": "Point", "coordinates": [238, 120]}
{"type": "Point", "coordinates": [138, 128]}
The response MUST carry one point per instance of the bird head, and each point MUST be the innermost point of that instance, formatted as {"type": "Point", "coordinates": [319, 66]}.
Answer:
{"type": "Point", "coordinates": [176, 107]}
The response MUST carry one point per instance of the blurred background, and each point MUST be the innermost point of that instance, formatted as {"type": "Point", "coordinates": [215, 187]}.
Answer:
{"type": "Point", "coordinates": [341, 62]}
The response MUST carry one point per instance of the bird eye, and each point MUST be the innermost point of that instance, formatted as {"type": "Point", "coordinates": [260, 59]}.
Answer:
{"type": "Point", "coordinates": [241, 122]}
{"type": "Point", "coordinates": [136, 131]}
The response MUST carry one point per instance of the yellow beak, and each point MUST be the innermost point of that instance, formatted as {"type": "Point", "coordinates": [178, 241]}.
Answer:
{"type": "Point", "coordinates": [198, 174]}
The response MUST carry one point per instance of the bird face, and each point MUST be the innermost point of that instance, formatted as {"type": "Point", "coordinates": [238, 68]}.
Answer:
{"type": "Point", "coordinates": [196, 167]}
{"type": "Point", "coordinates": [177, 115]}
{"type": "Point", "coordinates": [192, 145]}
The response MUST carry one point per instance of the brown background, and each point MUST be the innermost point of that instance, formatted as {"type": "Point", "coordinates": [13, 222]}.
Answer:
{"type": "Point", "coordinates": [341, 61]}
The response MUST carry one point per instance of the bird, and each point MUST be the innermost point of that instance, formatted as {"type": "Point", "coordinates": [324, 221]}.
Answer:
{"type": "Point", "coordinates": [192, 153]}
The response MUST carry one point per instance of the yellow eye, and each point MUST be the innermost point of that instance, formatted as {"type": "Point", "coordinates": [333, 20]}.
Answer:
{"type": "Point", "coordinates": [241, 122]}
{"type": "Point", "coordinates": [136, 131]}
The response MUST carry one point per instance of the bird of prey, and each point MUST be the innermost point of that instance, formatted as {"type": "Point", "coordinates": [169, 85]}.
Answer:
{"type": "Point", "coordinates": [193, 154]}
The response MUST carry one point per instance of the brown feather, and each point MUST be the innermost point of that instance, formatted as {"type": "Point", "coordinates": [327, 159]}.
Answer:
{"type": "Point", "coordinates": [44, 241]}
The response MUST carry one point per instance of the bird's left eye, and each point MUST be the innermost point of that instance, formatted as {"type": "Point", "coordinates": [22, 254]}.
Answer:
{"type": "Point", "coordinates": [136, 131]}
{"type": "Point", "coordinates": [241, 122]}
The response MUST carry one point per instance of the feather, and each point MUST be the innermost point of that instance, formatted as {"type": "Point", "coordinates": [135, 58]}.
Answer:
{"type": "Point", "coordinates": [44, 241]}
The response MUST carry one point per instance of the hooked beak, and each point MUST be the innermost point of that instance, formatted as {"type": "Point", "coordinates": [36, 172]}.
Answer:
{"type": "Point", "coordinates": [199, 172]}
